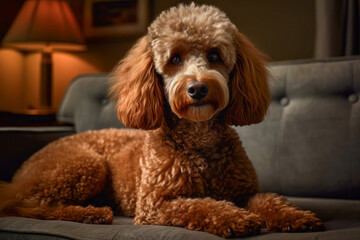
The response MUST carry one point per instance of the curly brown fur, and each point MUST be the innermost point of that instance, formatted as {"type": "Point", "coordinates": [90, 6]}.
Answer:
{"type": "Point", "coordinates": [185, 82]}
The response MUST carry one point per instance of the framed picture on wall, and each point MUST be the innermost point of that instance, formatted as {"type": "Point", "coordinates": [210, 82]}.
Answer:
{"type": "Point", "coordinates": [115, 18]}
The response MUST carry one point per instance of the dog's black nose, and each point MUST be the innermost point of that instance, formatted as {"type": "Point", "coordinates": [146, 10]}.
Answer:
{"type": "Point", "coordinates": [198, 90]}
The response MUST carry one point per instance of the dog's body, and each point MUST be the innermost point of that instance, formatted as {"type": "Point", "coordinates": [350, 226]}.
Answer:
{"type": "Point", "coordinates": [185, 82]}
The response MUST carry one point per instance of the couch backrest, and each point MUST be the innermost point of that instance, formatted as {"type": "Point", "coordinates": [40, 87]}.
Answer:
{"type": "Point", "coordinates": [86, 104]}
{"type": "Point", "coordinates": [309, 142]}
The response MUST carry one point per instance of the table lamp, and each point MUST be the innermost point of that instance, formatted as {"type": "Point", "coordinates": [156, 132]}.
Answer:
{"type": "Point", "coordinates": [45, 26]}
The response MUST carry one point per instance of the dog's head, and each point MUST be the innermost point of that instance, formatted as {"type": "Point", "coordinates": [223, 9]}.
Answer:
{"type": "Point", "coordinates": [195, 59]}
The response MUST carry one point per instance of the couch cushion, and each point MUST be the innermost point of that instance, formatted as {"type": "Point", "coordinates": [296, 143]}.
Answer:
{"type": "Point", "coordinates": [308, 144]}
{"type": "Point", "coordinates": [341, 217]}
{"type": "Point", "coordinates": [122, 228]}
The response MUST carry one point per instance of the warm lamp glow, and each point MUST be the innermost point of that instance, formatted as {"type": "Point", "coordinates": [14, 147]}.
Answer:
{"type": "Point", "coordinates": [45, 24]}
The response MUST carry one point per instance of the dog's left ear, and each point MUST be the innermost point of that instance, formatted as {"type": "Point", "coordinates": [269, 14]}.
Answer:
{"type": "Point", "coordinates": [137, 89]}
{"type": "Point", "coordinates": [249, 89]}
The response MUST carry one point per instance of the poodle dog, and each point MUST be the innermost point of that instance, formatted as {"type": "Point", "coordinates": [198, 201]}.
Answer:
{"type": "Point", "coordinates": [190, 77]}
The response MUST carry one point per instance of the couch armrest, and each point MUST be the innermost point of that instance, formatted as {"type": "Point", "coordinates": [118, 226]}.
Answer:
{"type": "Point", "coordinates": [19, 143]}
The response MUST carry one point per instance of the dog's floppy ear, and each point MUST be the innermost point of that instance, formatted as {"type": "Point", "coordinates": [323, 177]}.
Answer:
{"type": "Point", "coordinates": [249, 90]}
{"type": "Point", "coordinates": [137, 89]}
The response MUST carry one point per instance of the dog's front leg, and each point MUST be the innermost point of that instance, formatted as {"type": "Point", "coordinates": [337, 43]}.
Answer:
{"type": "Point", "coordinates": [281, 215]}
{"type": "Point", "coordinates": [222, 218]}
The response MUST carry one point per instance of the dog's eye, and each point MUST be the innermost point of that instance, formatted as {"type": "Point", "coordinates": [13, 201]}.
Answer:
{"type": "Point", "coordinates": [176, 60]}
{"type": "Point", "coordinates": [214, 57]}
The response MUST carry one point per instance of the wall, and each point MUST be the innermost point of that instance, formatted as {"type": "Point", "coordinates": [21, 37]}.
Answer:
{"type": "Point", "coordinates": [282, 29]}
{"type": "Point", "coordinates": [11, 79]}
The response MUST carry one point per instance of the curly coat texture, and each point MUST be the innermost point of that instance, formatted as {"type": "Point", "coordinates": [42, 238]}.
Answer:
{"type": "Point", "coordinates": [189, 168]}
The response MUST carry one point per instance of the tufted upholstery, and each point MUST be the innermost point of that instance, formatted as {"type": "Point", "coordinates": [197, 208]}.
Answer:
{"type": "Point", "coordinates": [86, 104]}
{"type": "Point", "coordinates": [309, 143]}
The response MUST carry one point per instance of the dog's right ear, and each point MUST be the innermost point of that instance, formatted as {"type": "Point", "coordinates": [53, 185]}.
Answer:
{"type": "Point", "coordinates": [137, 89]}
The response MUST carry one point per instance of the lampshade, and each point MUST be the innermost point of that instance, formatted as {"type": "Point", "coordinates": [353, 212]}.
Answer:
{"type": "Point", "coordinates": [45, 24]}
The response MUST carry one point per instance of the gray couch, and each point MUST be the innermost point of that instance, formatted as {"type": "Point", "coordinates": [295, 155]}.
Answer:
{"type": "Point", "coordinates": [308, 148]}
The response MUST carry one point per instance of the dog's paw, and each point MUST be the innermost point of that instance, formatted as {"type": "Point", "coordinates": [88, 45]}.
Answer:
{"type": "Point", "coordinates": [241, 227]}
{"type": "Point", "coordinates": [296, 221]}
{"type": "Point", "coordinates": [95, 215]}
